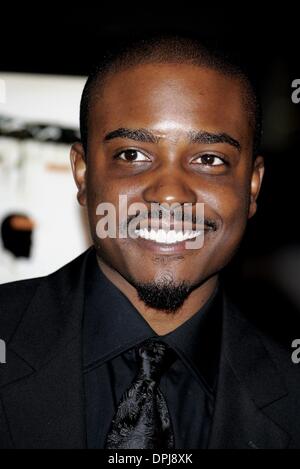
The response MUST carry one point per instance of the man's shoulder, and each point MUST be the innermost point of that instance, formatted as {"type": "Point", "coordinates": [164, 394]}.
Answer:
{"type": "Point", "coordinates": [274, 323]}
{"type": "Point", "coordinates": [15, 297]}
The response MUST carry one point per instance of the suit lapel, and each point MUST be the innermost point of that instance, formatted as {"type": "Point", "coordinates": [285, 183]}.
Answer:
{"type": "Point", "coordinates": [43, 397]}
{"type": "Point", "coordinates": [249, 384]}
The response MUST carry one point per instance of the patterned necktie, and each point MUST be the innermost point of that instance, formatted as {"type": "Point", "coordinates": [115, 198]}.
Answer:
{"type": "Point", "coordinates": [142, 419]}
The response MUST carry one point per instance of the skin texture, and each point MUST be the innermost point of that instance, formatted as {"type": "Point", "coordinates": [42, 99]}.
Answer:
{"type": "Point", "coordinates": [171, 100]}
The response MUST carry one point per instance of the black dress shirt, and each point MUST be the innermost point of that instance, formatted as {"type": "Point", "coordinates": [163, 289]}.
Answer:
{"type": "Point", "coordinates": [113, 327]}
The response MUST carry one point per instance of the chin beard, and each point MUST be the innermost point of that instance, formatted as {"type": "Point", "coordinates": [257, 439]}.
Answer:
{"type": "Point", "coordinates": [165, 295]}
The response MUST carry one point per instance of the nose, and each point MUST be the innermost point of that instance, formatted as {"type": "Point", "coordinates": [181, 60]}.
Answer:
{"type": "Point", "coordinates": [169, 187]}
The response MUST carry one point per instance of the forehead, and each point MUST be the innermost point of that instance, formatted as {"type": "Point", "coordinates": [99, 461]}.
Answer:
{"type": "Point", "coordinates": [172, 97]}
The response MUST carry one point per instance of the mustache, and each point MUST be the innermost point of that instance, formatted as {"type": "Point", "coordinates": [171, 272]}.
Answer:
{"type": "Point", "coordinates": [156, 215]}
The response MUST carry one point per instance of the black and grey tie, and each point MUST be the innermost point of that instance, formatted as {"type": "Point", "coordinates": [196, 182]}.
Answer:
{"type": "Point", "coordinates": [142, 420]}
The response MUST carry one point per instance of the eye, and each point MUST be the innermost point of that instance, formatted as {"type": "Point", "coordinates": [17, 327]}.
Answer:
{"type": "Point", "coordinates": [132, 156]}
{"type": "Point", "coordinates": [209, 160]}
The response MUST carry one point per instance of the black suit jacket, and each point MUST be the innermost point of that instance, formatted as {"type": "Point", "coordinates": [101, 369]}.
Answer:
{"type": "Point", "coordinates": [41, 385]}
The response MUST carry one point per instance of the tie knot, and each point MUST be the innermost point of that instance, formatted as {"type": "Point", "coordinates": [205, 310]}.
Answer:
{"type": "Point", "coordinates": [155, 358]}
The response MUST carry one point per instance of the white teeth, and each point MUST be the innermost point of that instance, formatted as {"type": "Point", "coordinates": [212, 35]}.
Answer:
{"type": "Point", "coordinates": [179, 236]}
{"type": "Point", "coordinates": [161, 236]}
{"type": "Point", "coordinates": [171, 237]}
{"type": "Point", "coordinates": [167, 237]}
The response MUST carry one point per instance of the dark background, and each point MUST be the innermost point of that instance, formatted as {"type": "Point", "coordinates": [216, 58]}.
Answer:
{"type": "Point", "coordinates": [55, 41]}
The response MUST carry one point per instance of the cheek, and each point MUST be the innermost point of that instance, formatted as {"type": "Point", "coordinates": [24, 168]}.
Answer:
{"type": "Point", "coordinates": [229, 203]}
{"type": "Point", "coordinates": [234, 207]}
{"type": "Point", "coordinates": [234, 221]}
{"type": "Point", "coordinates": [103, 189]}
{"type": "Point", "coordinates": [100, 189]}
{"type": "Point", "coordinates": [97, 192]}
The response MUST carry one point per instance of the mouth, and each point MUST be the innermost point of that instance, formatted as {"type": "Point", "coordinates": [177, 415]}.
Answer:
{"type": "Point", "coordinates": [162, 236]}
{"type": "Point", "coordinates": [166, 241]}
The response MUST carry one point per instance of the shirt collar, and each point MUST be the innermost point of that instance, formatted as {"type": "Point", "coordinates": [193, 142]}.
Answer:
{"type": "Point", "coordinates": [113, 325]}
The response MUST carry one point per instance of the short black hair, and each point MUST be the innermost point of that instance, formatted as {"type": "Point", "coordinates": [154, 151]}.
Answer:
{"type": "Point", "coordinates": [168, 49]}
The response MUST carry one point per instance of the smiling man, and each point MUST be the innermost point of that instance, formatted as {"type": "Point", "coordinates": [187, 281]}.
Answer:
{"type": "Point", "coordinates": [135, 343]}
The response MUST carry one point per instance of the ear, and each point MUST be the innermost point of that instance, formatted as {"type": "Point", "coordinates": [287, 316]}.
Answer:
{"type": "Point", "coordinates": [256, 180]}
{"type": "Point", "coordinates": [78, 163]}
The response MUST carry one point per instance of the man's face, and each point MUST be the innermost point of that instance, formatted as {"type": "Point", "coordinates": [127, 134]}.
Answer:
{"type": "Point", "coordinates": [169, 162]}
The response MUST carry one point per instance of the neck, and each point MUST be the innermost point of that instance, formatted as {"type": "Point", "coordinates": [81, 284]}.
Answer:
{"type": "Point", "coordinates": [160, 321]}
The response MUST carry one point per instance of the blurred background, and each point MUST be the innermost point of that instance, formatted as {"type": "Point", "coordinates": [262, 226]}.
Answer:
{"type": "Point", "coordinates": [45, 58]}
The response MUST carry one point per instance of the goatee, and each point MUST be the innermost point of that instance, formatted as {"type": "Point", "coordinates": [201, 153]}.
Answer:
{"type": "Point", "coordinates": [167, 296]}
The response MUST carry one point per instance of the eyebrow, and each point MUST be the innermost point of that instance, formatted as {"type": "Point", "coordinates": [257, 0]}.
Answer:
{"type": "Point", "coordinates": [145, 135]}
{"type": "Point", "coordinates": [210, 137]}
{"type": "Point", "coordinates": [140, 135]}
